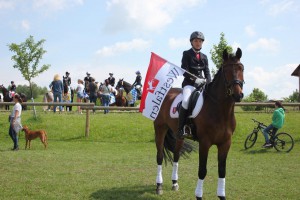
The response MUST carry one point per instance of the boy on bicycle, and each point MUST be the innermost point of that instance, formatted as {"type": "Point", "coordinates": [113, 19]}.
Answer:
{"type": "Point", "coordinates": [277, 123]}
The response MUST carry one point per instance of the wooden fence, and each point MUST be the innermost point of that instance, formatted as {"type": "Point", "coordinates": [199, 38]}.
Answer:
{"type": "Point", "coordinates": [90, 106]}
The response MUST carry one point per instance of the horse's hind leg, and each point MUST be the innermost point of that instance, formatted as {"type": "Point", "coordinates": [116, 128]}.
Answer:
{"type": "Point", "coordinates": [222, 156]}
{"type": "Point", "coordinates": [160, 132]}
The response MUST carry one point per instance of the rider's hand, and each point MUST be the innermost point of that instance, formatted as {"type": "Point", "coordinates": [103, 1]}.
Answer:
{"type": "Point", "coordinates": [200, 81]}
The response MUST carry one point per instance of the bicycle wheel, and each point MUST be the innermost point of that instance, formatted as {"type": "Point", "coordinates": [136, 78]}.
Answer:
{"type": "Point", "coordinates": [283, 142]}
{"type": "Point", "coordinates": [250, 140]}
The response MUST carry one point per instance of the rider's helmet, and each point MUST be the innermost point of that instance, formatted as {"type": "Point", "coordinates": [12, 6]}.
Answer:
{"type": "Point", "coordinates": [88, 74]}
{"type": "Point", "coordinates": [12, 82]}
{"type": "Point", "coordinates": [197, 34]}
{"type": "Point", "coordinates": [138, 72]}
{"type": "Point", "coordinates": [67, 73]}
{"type": "Point", "coordinates": [111, 74]}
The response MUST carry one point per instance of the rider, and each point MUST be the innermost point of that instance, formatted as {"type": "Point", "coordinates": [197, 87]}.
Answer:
{"type": "Point", "coordinates": [12, 89]}
{"type": "Point", "coordinates": [277, 123]}
{"type": "Point", "coordinates": [111, 79]}
{"type": "Point", "coordinates": [138, 82]}
{"type": "Point", "coordinates": [194, 62]}
{"type": "Point", "coordinates": [67, 79]}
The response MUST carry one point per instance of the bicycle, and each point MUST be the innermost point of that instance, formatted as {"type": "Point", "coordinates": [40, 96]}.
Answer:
{"type": "Point", "coordinates": [280, 141]}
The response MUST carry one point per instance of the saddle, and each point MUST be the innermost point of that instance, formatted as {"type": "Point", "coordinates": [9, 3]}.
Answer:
{"type": "Point", "coordinates": [194, 108]}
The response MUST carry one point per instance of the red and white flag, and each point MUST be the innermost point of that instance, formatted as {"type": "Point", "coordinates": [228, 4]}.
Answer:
{"type": "Point", "coordinates": [160, 78]}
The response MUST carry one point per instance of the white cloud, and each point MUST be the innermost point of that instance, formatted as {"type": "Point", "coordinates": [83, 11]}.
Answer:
{"type": "Point", "coordinates": [269, 45]}
{"type": "Point", "coordinates": [250, 31]}
{"type": "Point", "coordinates": [5, 4]}
{"type": "Point", "coordinates": [276, 83]}
{"type": "Point", "coordinates": [120, 47]}
{"type": "Point", "coordinates": [144, 15]}
{"type": "Point", "coordinates": [53, 5]}
{"type": "Point", "coordinates": [25, 25]}
{"type": "Point", "coordinates": [175, 43]}
{"type": "Point", "coordinates": [282, 7]}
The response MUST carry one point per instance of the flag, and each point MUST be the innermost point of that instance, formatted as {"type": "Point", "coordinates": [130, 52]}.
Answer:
{"type": "Point", "coordinates": [160, 78]}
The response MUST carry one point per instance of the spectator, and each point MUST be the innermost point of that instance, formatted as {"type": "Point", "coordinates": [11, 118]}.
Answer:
{"type": "Point", "coordinates": [93, 91]}
{"type": "Point", "coordinates": [79, 91]}
{"type": "Point", "coordinates": [67, 79]}
{"type": "Point", "coordinates": [15, 121]}
{"type": "Point", "coordinates": [106, 90]}
{"type": "Point", "coordinates": [57, 88]}
{"type": "Point", "coordinates": [277, 123]}
{"type": "Point", "coordinates": [87, 81]}
{"type": "Point", "coordinates": [67, 97]}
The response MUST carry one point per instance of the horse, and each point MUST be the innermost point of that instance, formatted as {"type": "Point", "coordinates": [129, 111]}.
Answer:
{"type": "Point", "coordinates": [125, 85]}
{"type": "Point", "coordinates": [214, 125]}
{"type": "Point", "coordinates": [48, 98]}
{"type": "Point", "coordinates": [6, 97]}
{"type": "Point", "coordinates": [120, 99]}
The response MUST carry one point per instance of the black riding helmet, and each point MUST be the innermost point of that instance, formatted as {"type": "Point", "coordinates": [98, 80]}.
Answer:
{"type": "Point", "coordinates": [197, 34]}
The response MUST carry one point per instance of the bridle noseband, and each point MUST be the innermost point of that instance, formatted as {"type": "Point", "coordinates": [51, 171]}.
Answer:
{"type": "Point", "coordinates": [235, 81]}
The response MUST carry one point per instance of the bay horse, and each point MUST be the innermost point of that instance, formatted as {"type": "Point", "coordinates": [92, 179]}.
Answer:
{"type": "Point", "coordinates": [214, 125]}
{"type": "Point", "coordinates": [7, 98]}
{"type": "Point", "coordinates": [125, 85]}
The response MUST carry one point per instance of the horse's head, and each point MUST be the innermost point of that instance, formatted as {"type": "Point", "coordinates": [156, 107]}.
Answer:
{"type": "Point", "coordinates": [233, 71]}
{"type": "Point", "coordinates": [119, 84]}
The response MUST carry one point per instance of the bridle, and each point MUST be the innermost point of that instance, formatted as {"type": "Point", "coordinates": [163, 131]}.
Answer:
{"type": "Point", "coordinates": [235, 81]}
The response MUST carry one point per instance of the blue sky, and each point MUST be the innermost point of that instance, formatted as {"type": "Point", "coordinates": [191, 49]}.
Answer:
{"type": "Point", "coordinates": [119, 35]}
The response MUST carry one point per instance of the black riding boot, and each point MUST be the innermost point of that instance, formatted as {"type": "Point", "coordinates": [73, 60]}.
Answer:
{"type": "Point", "coordinates": [182, 120]}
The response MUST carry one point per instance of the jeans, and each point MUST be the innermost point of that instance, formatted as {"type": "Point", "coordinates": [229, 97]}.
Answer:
{"type": "Point", "coordinates": [267, 130]}
{"type": "Point", "coordinates": [59, 96]}
{"type": "Point", "coordinates": [105, 101]}
{"type": "Point", "coordinates": [14, 136]}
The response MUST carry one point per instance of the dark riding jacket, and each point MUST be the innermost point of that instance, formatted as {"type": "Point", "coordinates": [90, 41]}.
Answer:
{"type": "Point", "coordinates": [138, 80]}
{"type": "Point", "coordinates": [197, 67]}
{"type": "Point", "coordinates": [111, 81]}
{"type": "Point", "coordinates": [67, 80]}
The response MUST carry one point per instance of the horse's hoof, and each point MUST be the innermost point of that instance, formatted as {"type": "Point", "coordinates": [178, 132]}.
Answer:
{"type": "Point", "coordinates": [159, 190]}
{"type": "Point", "coordinates": [175, 187]}
{"type": "Point", "coordinates": [198, 198]}
{"type": "Point", "coordinates": [222, 198]}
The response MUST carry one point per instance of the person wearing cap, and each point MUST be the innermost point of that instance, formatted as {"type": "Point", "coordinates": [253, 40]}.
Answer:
{"type": "Point", "coordinates": [67, 79]}
{"type": "Point", "coordinates": [87, 81]}
{"type": "Point", "coordinates": [111, 79]}
{"type": "Point", "coordinates": [195, 63]}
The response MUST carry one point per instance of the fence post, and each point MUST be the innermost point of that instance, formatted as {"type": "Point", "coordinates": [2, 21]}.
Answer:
{"type": "Point", "coordinates": [87, 123]}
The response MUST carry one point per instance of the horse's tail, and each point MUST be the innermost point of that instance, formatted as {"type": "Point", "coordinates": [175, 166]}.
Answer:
{"type": "Point", "coordinates": [170, 141]}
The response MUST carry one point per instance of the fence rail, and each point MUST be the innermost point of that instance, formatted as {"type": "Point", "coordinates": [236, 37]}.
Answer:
{"type": "Point", "coordinates": [91, 106]}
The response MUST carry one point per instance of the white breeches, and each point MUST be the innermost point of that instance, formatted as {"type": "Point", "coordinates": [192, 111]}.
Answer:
{"type": "Point", "coordinates": [187, 91]}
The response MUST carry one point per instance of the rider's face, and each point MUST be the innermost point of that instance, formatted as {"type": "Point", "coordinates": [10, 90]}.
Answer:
{"type": "Point", "coordinates": [197, 43]}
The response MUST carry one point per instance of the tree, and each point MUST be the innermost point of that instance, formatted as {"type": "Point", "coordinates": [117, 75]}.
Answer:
{"type": "Point", "coordinates": [256, 96]}
{"type": "Point", "coordinates": [27, 58]}
{"type": "Point", "coordinates": [293, 97]}
{"type": "Point", "coordinates": [217, 52]}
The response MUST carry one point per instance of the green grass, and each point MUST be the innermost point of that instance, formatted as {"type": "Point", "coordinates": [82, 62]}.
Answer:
{"type": "Point", "coordinates": [118, 161]}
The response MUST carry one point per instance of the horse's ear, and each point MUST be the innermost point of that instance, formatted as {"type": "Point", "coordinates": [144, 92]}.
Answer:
{"type": "Point", "coordinates": [225, 54]}
{"type": "Point", "coordinates": [238, 53]}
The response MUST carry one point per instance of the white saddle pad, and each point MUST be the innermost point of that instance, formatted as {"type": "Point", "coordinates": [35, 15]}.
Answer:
{"type": "Point", "coordinates": [174, 112]}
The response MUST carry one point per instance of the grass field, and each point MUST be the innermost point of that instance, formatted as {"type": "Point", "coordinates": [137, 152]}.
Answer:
{"type": "Point", "coordinates": [118, 161]}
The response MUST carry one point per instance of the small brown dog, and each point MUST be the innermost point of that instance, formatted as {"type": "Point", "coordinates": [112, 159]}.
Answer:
{"type": "Point", "coordinates": [31, 135]}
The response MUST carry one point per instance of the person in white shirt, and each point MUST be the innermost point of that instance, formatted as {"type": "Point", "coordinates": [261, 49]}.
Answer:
{"type": "Point", "coordinates": [15, 121]}
{"type": "Point", "coordinates": [79, 91]}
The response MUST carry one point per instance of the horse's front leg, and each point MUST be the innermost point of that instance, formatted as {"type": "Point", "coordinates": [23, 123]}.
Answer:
{"type": "Point", "coordinates": [202, 170]}
{"type": "Point", "coordinates": [179, 144]}
{"type": "Point", "coordinates": [222, 156]}
{"type": "Point", "coordinates": [160, 133]}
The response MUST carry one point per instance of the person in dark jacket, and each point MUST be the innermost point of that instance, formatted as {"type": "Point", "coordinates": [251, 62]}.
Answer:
{"type": "Point", "coordinates": [138, 83]}
{"type": "Point", "coordinates": [111, 79]}
{"type": "Point", "coordinates": [197, 73]}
